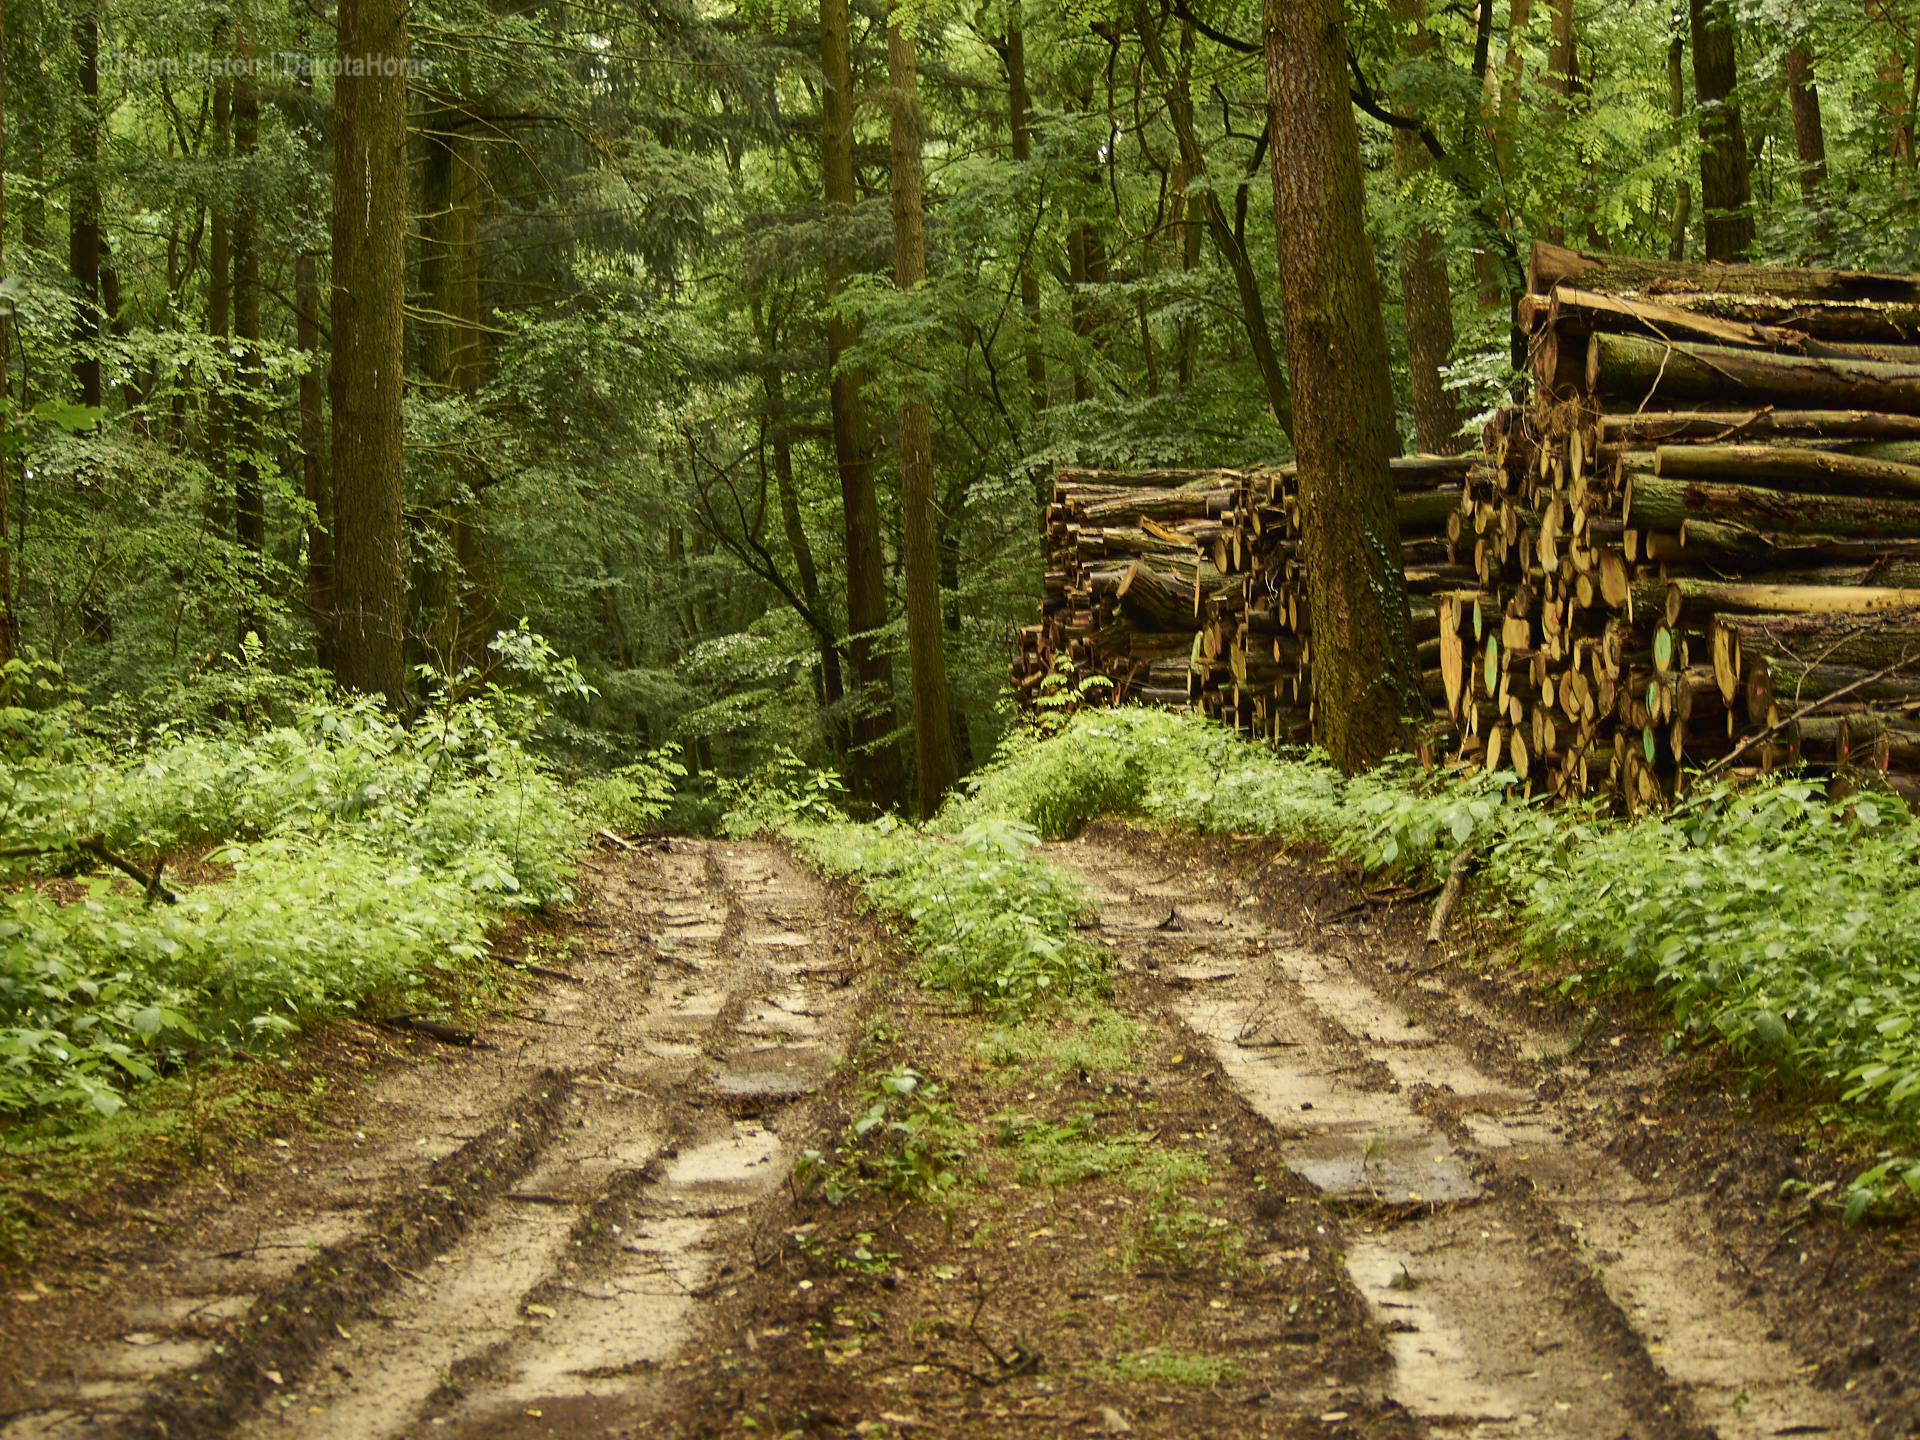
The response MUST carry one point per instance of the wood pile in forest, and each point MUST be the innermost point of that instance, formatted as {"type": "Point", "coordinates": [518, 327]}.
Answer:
{"type": "Point", "coordinates": [1185, 587]}
{"type": "Point", "coordinates": [1706, 522]}
{"type": "Point", "coordinates": [1698, 546]}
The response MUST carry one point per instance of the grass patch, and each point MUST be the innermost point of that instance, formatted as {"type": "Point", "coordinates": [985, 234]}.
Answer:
{"type": "Point", "coordinates": [1072, 1040]}
{"type": "Point", "coordinates": [1165, 1368]}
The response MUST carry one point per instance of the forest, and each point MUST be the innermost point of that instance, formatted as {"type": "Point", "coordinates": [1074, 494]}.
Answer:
{"type": "Point", "coordinates": [578, 858]}
{"type": "Point", "coordinates": [717, 343]}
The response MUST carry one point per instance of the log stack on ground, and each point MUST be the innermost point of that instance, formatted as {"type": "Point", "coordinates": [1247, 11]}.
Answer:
{"type": "Point", "coordinates": [1706, 521]}
{"type": "Point", "coordinates": [1185, 588]}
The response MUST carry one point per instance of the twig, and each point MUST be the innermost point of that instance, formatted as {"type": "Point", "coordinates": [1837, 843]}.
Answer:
{"type": "Point", "coordinates": [1772, 730]}
{"type": "Point", "coordinates": [434, 1030]}
{"type": "Point", "coordinates": [96, 846]}
{"type": "Point", "coordinates": [1463, 865]}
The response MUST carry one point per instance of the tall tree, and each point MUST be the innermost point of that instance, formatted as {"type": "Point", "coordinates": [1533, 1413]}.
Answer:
{"type": "Point", "coordinates": [1366, 676]}
{"type": "Point", "coordinates": [877, 767]}
{"type": "Point", "coordinates": [1809, 139]}
{"type": "Point", "coordinates": [1425, 292]}
{"type": "Point", "coordinates": [1726, 193]}
{"type": "Point", "coordinates": [937, 767]}
{"type": "Point", "coordinates": [1013, 59]}
{"type": "Point", "coordinates": [369, 278]}
{"type": "Point", "coordinates": [83, 226]}
{"type": "Point", "coordinates": [1676, 111]}
{"type": "Point", "coordinates": [249, 508]}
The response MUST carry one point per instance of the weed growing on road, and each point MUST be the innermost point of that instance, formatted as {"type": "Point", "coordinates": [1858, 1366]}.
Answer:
{"type": "Point", "coordinates": [908, 1142]}
{"type": "Point", "coordinates": [1199, 1371]}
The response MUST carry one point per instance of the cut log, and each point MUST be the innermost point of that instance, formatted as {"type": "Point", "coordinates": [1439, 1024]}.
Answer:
{"type": "Point", "coordinates": [1650, 428]}
{"type": "Point", "coordinates": [1790, 467]}
{"type": "Point", "coordinates": [1631, 366]}
{"type": "Point", "coordinates": [1660, 504]}
{"type": "Point", "coordinates": [1156, 601]}
{"type": "Point", "coordinates": [1553, 265]}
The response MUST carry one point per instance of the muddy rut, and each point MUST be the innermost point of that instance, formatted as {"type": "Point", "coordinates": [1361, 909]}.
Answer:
{"type": "Point", "coordinates": [1527, 1284]}
{"type": "Point", "coordinates": [515, 1239]}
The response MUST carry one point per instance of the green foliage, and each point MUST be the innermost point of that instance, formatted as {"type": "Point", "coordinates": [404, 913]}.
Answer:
{"type": "Point", "coordinates": [363, 856]}
{"type": "Point", "coordinates": [1072, 1151]}
{"type": "Point", "coordinates": [1075, 1038]}
{"type": "Point", "coordinates": [1166, 1367]}
{"type": "Point", "coordinates": [992, 925]}
{"type": "Point", "coordinates": [907, 1143]}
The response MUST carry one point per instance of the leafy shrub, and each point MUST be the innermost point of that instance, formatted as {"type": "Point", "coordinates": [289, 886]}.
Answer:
{"type": "Point", "coordinates": [908, 1142]}
{"type": "Point", "coordinates": [364, 855]}
{"type": "Point", "coordinates": [991, 924]}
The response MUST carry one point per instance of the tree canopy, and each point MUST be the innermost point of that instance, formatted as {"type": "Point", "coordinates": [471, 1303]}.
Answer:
{"type": "Point", "coordinates": [648, 329]}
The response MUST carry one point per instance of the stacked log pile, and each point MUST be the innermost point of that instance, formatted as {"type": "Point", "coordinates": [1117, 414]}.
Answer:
{"type": "Point", "coordinates": [1185, 588]}
{"type": "Point", "coordinates": [1707, 520]}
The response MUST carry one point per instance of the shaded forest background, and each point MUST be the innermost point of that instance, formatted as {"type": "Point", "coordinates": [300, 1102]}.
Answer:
{"type": "Point", "coordinates": [642, 241]}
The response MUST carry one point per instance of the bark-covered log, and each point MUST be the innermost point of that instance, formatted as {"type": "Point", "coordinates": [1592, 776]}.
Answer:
{"type": "Point", "coordinates": [1553, 265]}
{"type": "Point", "coordinates": [1660, 504]}
{"type": "Point", "coordinates": [1631, 366]}
{"type": "Point", "coordinates": [1152, 599]}
{"type": "Point", "coordinates": [1655, 427]}
{"type": "Point", "coordinates": [1792, 467]}
{"type": "Point", "coordinates": [1781, 556]}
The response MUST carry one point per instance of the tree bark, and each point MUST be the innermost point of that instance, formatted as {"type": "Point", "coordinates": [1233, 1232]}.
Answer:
{"type": "Point", "coordinates": [369, 278]}
{"type": "Point", "coordinates": [937, 767]}
{"type": "Point", "coordinates": [1366, 676]}
{"type": "Point", "coordinates": [83, 229]}
{"type": "Point", "coordinates": [1725, 189]}
{"type": "Point", "coordinates": [1666, 504]}
{"type": "Point", "coordinates": [249, 509]}
{"type": "Point", "coordinates": [1227, 241]}
{"type": "Point", "coordinates": [1676, 111]}
{"type": "Point", "coordinates": [1809, 142]}
{"type": "Point", "coordinates": [877, 777]}
{"type": "Point", "coordinates": [1629, 366]}
{"type": "Point", "coordinates": [1425, 292]}
{"type": "Point", "coordinates": [316, 482]}
{"type": "Point", "coordinates": [9, 634]}
{"type": "Point", "coordinates": [1563, 79]}
{"type": "Point", "coordinates": [1792, 467]}
{"type": "Point", "coordinates": [1612, 274]}
{"type": "Point", "coordinates": [220, 294]}
{"type": "Point", "coordinates": [1018, 106]}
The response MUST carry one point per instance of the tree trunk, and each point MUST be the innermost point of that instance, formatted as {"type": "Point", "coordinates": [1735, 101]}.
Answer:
{"type": "Point", "coordinates": [369, 279]}
{"type": "Point", "coordinates": [1253, 311]}
{"type": "Point", "coordinates": [1563, 80]}
{"type": "Point", "coordinates": [1018, 106]}
{"type": "Point", "coordinates": [219, 296]}
{"type": "Point", "coordinates": [877, 775]}
{"type": "Point", "coordinates": [9, 635]}
{"type": "Point", "coordinates": [1366, 677]}
{"type": "Point", "coordinates": [936, 765]}
{"type": "Point", "coordinates": [316, 482]}
{"type": "Point", "coordinates": [1725, 190]}
{"type": "Point", "coordinates": [1676, 111]}
{"type": "Point", "coordinates": [249, 509]}
{"type": "Point", "coordinates": [83, 227]}
{"type": "Point", "coordinates": [1809, 143]}
{"type": "Point", "coordinates": [1424, 291]}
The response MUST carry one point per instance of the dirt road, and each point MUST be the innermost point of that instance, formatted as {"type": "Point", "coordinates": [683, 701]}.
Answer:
{"type": "Point", "coordinates": [506, 1241]}
{"type": "Point", "coordinates": [1526, 1281]}
{"type": "Point", "coordinates": [1295, 1179]}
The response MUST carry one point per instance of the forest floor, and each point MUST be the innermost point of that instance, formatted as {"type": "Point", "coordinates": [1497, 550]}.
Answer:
{"type": "Point", "coordinates": [1301, 1178]}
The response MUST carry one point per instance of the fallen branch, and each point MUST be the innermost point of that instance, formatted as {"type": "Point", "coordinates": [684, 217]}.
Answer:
{"type": "Point", "coordinates": [96, 846]}
{"type": "Point", "coordinates": [1464, 864]}
{"type": "Point", "coordinates": [434, 1030]}
{"type": "Point", "coordinates": [1772, 730]}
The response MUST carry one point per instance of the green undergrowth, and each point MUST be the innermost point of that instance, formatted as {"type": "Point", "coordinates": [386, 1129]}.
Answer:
{"type": "Point", "coordinates": [1166, 1367]}
{"type": "Point", "coordinates": [338, 860]}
